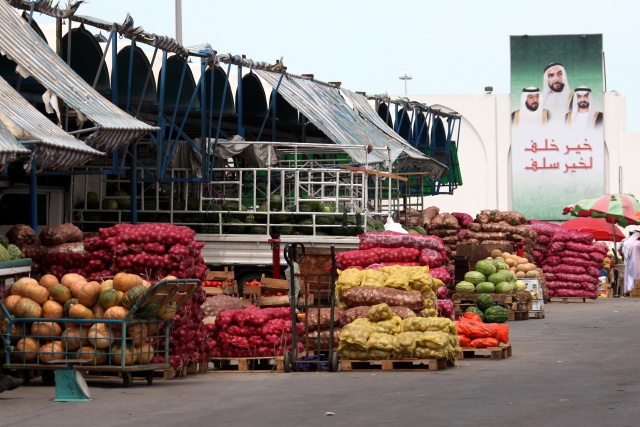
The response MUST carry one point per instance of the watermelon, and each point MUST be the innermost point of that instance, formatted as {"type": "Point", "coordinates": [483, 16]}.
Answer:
{"type": "Point", "coordinates": [474, 277]}
{"type": "Point", "coordinates": [93, 201]}
{"type": "Point", "coordinates": [484, 301]}
{"type": "Point", "coordinates": [109, 204]}
{"type": "Point", "coordinates": [486, 267]}
{"type": "Point", "coordinates": [477, 311]}
{"type": "Point", "coordinates": [233, 226]}
{"type": "Point", "coordinates": [496, 314]}
{"type": "Point", "coordinates": [504, 287]}
{"type": "Point", "coordinates": [500, 276]}
{"type": "Point", "coordinates": [485, 287]}
{"type": "Point", "coordinates": [123, 199]}
{"type": "Point", "coordinates": [465, 287]}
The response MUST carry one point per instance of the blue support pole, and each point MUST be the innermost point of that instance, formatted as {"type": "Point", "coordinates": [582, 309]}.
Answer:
{"type": "Point", "coordinates": [203, 119]}
{"type": "Point", "coordinates": [161, 120]}
{"type": "Point", "coordinates": [33, 196]}
{"type": "Point", "coordinates": [130, 76]}
{"type": "Point", "coordinates": [114, 73]}
{"type": "Point", "coordinates": [273, 110]}
{"type": "Point", "coordinates": [167, 158]}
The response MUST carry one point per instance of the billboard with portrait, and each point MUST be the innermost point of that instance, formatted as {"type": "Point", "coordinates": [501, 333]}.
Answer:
{"type": "Point", "coordinates": [557, 137]}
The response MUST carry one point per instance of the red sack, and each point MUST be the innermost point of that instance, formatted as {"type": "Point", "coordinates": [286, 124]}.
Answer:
{"type": "Point", "coordinates": [485, 342]}
{"type": "Point", "coordinates": [464, 340]}
{"type": "Point", "coordinates": [503, 333]}
{"type": "Point", "coordinates": [476, 330]}
{"type": "Point", "coordinates": [472, 316]}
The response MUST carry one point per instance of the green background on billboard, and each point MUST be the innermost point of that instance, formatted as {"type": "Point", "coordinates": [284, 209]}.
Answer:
{"type": "Point", "coordinates": [580, 55]}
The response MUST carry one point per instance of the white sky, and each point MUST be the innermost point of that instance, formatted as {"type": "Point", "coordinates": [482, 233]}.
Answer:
{"type": "Point", "coordinates": [447, 47]}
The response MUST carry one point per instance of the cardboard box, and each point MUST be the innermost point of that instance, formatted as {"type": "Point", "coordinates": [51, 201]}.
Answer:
{"type": "Point", "coordinates": [636, 284]}
{"type": "Point", "coordinates": [534, 288]}
{"type": "Point", "coordinates": [537, 305]}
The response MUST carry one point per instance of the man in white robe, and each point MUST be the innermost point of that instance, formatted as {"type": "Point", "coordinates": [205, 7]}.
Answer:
{"type": "Point", "coordinates": [530, 112]}
{"type": "Point", "coordinates": [556, 92]}
{"type": "Point", "coordinates": [582, 113]}
{"type": "Point", "coordinates": [630, 248]}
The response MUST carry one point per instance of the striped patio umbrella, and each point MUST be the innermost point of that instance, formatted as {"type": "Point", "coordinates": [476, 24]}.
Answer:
{"type": "Point", "coordinates": [615, 208]}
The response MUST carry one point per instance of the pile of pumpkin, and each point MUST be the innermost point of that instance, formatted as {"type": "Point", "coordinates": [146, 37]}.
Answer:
{"type": "Point", "coordinates": [75, 306]}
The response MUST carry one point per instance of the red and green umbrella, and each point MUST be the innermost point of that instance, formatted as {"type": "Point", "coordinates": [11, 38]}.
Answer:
{"type": "Point", "coordinates": [615, 208]}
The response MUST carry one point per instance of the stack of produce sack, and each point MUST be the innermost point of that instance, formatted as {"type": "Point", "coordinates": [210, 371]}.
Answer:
{"type": "Point", "coordinates": [318, 324]}
{"type": "Point", "coordinates": [382, 335]}
{"type": "Point", "coordinates": [392, 248]}
{"type": "Point", "coordinates": [188, 340]}
{"type": "Point", "coordinates": [52, 241]}
{"type": "Point", "coordinates": [216, 304]}
{"type": "Point", "coordinates": [474, 332]}
{"type": "Point", "coordinates": [572, 265]}
{"type": "Point", "coordinates": [253, 332]}
{"type": "Point", "coordinates": [496, 227]}
{"type": "Point", "coordinates": [447, 227]}
{"type": "Point", "coordinates": [150, 250]}
{"type": "Point", "coordinates": [403, 286]}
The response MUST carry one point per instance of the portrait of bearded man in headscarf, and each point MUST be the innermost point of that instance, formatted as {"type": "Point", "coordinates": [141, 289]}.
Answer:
{"type": "Point", "coordinates": [556, 91]}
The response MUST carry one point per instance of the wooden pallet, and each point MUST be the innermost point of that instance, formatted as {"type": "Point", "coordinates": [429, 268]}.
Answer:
{"type": "Point", "coordinates": [394, 364]}
{"type": "Point", "coordinates": [247, 364]}
{"type": "Point", "coordinates": [517, 315]}
{"type": "Point", "coordinates": [536, 315]}
{"type": "Point", "coordinates": [566, 300]}
{"type": "Point", "coordinates": [494, 353]}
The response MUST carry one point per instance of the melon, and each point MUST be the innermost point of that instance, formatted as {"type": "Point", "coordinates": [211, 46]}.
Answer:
{"type": "Point", "coordinates": [474, 277]}
{"type": "Point", "coordinates": [485, 287]}
{"type": "Point", "coordinates": [465, 287]}
{"type": "Point", "coordinates": [496, 314]}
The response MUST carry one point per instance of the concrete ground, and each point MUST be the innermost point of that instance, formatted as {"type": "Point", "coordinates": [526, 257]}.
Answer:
{"type": "Point", "coordinates": [576, 367]}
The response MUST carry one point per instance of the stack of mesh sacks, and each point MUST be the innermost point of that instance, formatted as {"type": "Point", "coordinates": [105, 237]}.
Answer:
{"type": "Point", "coordinates": [382, 335]}
{"type": "Point", "coordinates": [496, 227]}
{"type": "Point", "coordinates": [571, 260]}
{"type": "Point", "coordinates": [399, 286]}
{"type": "Point", "coordinates": [51, 247]}
{"type": "Point", "coordinates": [447, 226]}
{"type": "Point", "coordinates": [379, 249]}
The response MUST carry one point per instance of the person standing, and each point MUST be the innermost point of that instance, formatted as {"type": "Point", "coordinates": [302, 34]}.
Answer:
{"type": "Point", "coordinates": [630, 248]}
{"type": "Point", "coordinates": [582, 114]}
{"type": "Point", "coordinates": [530, 112]}
{"type": "Point", "coordinates": [556, 92]}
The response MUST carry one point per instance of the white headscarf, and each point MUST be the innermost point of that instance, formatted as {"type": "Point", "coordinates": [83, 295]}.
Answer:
{"type": "Point", "coordinates": [578, 118]}
{"type": "Point", "coordinates": [556, 102]}
{"type": "Point", "coordinates": [526, 116]}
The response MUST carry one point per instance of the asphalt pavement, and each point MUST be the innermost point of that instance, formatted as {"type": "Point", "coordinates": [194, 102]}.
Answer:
{"type": "Point", "coordinates": [576, 367]}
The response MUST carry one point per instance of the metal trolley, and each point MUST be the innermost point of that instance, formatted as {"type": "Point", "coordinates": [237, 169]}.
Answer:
{"type": "Point", "coordinates": [136, 345]}
{"type": "Point", "coordinates": [319, 351]}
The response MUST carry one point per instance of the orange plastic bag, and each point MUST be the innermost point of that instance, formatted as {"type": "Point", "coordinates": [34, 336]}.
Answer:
{"type": "Point", "coordinates": [464, 340]}
{"type": "Point", "coordinates": [485, 342]}
{"type": "Point", "coordinates": [474, 330]}
{"type": "Point", "coordinates": [503, 333]}
{"type": "Point", "coordinates": [473, 317]}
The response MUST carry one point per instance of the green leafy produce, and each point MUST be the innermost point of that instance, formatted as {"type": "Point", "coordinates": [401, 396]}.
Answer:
{"type": "Point", "coordinates": [4, 241]}
{"type": "Point", "coordinates": [14, 251]}
{"type": "Point", "coordinates": [4, 254]}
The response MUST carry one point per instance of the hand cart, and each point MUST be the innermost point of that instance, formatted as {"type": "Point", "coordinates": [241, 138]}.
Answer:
{"type": "Point", "coordinates": [118, 347]}
{"type": "Point", "coordinates": [319, 357]}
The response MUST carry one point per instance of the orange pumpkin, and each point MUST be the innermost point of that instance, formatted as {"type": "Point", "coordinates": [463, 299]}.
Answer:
{"type": "Point", "coordinates": [70, 278]}
{"type": "Point", "coordinates": [76, 287]}
{"type": "Point", "coordinates": [51, 351]}
{"type": "Point", "coordinates": [153, 328]}
{"type": "Point", "coordinates": [74, 337]}
{"type": "Point", "coordinates": [46, 331]}
{"type": "Point", "coordinates": [38, 293]}
{"type": "Point", "coordinates": [10, 302]}
{"type": "Point", "coordinates": [107, 284]}
{"type": "Point", "coordinates": [48, 280]}
{"type": "Point", "coordinates": [93, 355]}
{"type": "Point", "coordinates": [80, 311]}
{"type": "Point", "coordinates": [130, 357]}
{"type": "Point", "coordinates": [167, 311]}
{"type": "Point", "coordinates": [52, 309]}
{"type": "Point", "coordinates": [27, 308]}
{"type": "Point", "coordinates": [137, 333]}
{"type": "Point", "coordinates": [89, 293]}
{"type": "Point", "coordinates": [170, 278]}
{"type": "Point", "coordinates": [110, 298]}
{"type": "Point", "coordinates": [145, 353]}
{"type": "Point", "coordinates": [100, 335]}
{"type": "Point", "coordinates": [125, 281]}
{"type": "Point", "coordinates": [146, 284]}
{"type": "Point", "coordinates": [60, 293]}
{"type": "Point", "coordinates": [116, 313]}
{"type": "Point", "coordinates": [98, 311]}
{"type": "Point", "coordinates": [26, 350]}
{"type": "Point", "coordinates": [18, 287]}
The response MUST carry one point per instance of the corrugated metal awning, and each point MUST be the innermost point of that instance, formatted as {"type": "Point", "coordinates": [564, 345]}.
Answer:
{"type": "Point", "coordinates": [52, 147]}
{"type": "Point", "coordinates": [10, 148]}
{"type": "Point", "coordinates": [325, 107]}
{"type": "Point", "coordinates": [35, 58]}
